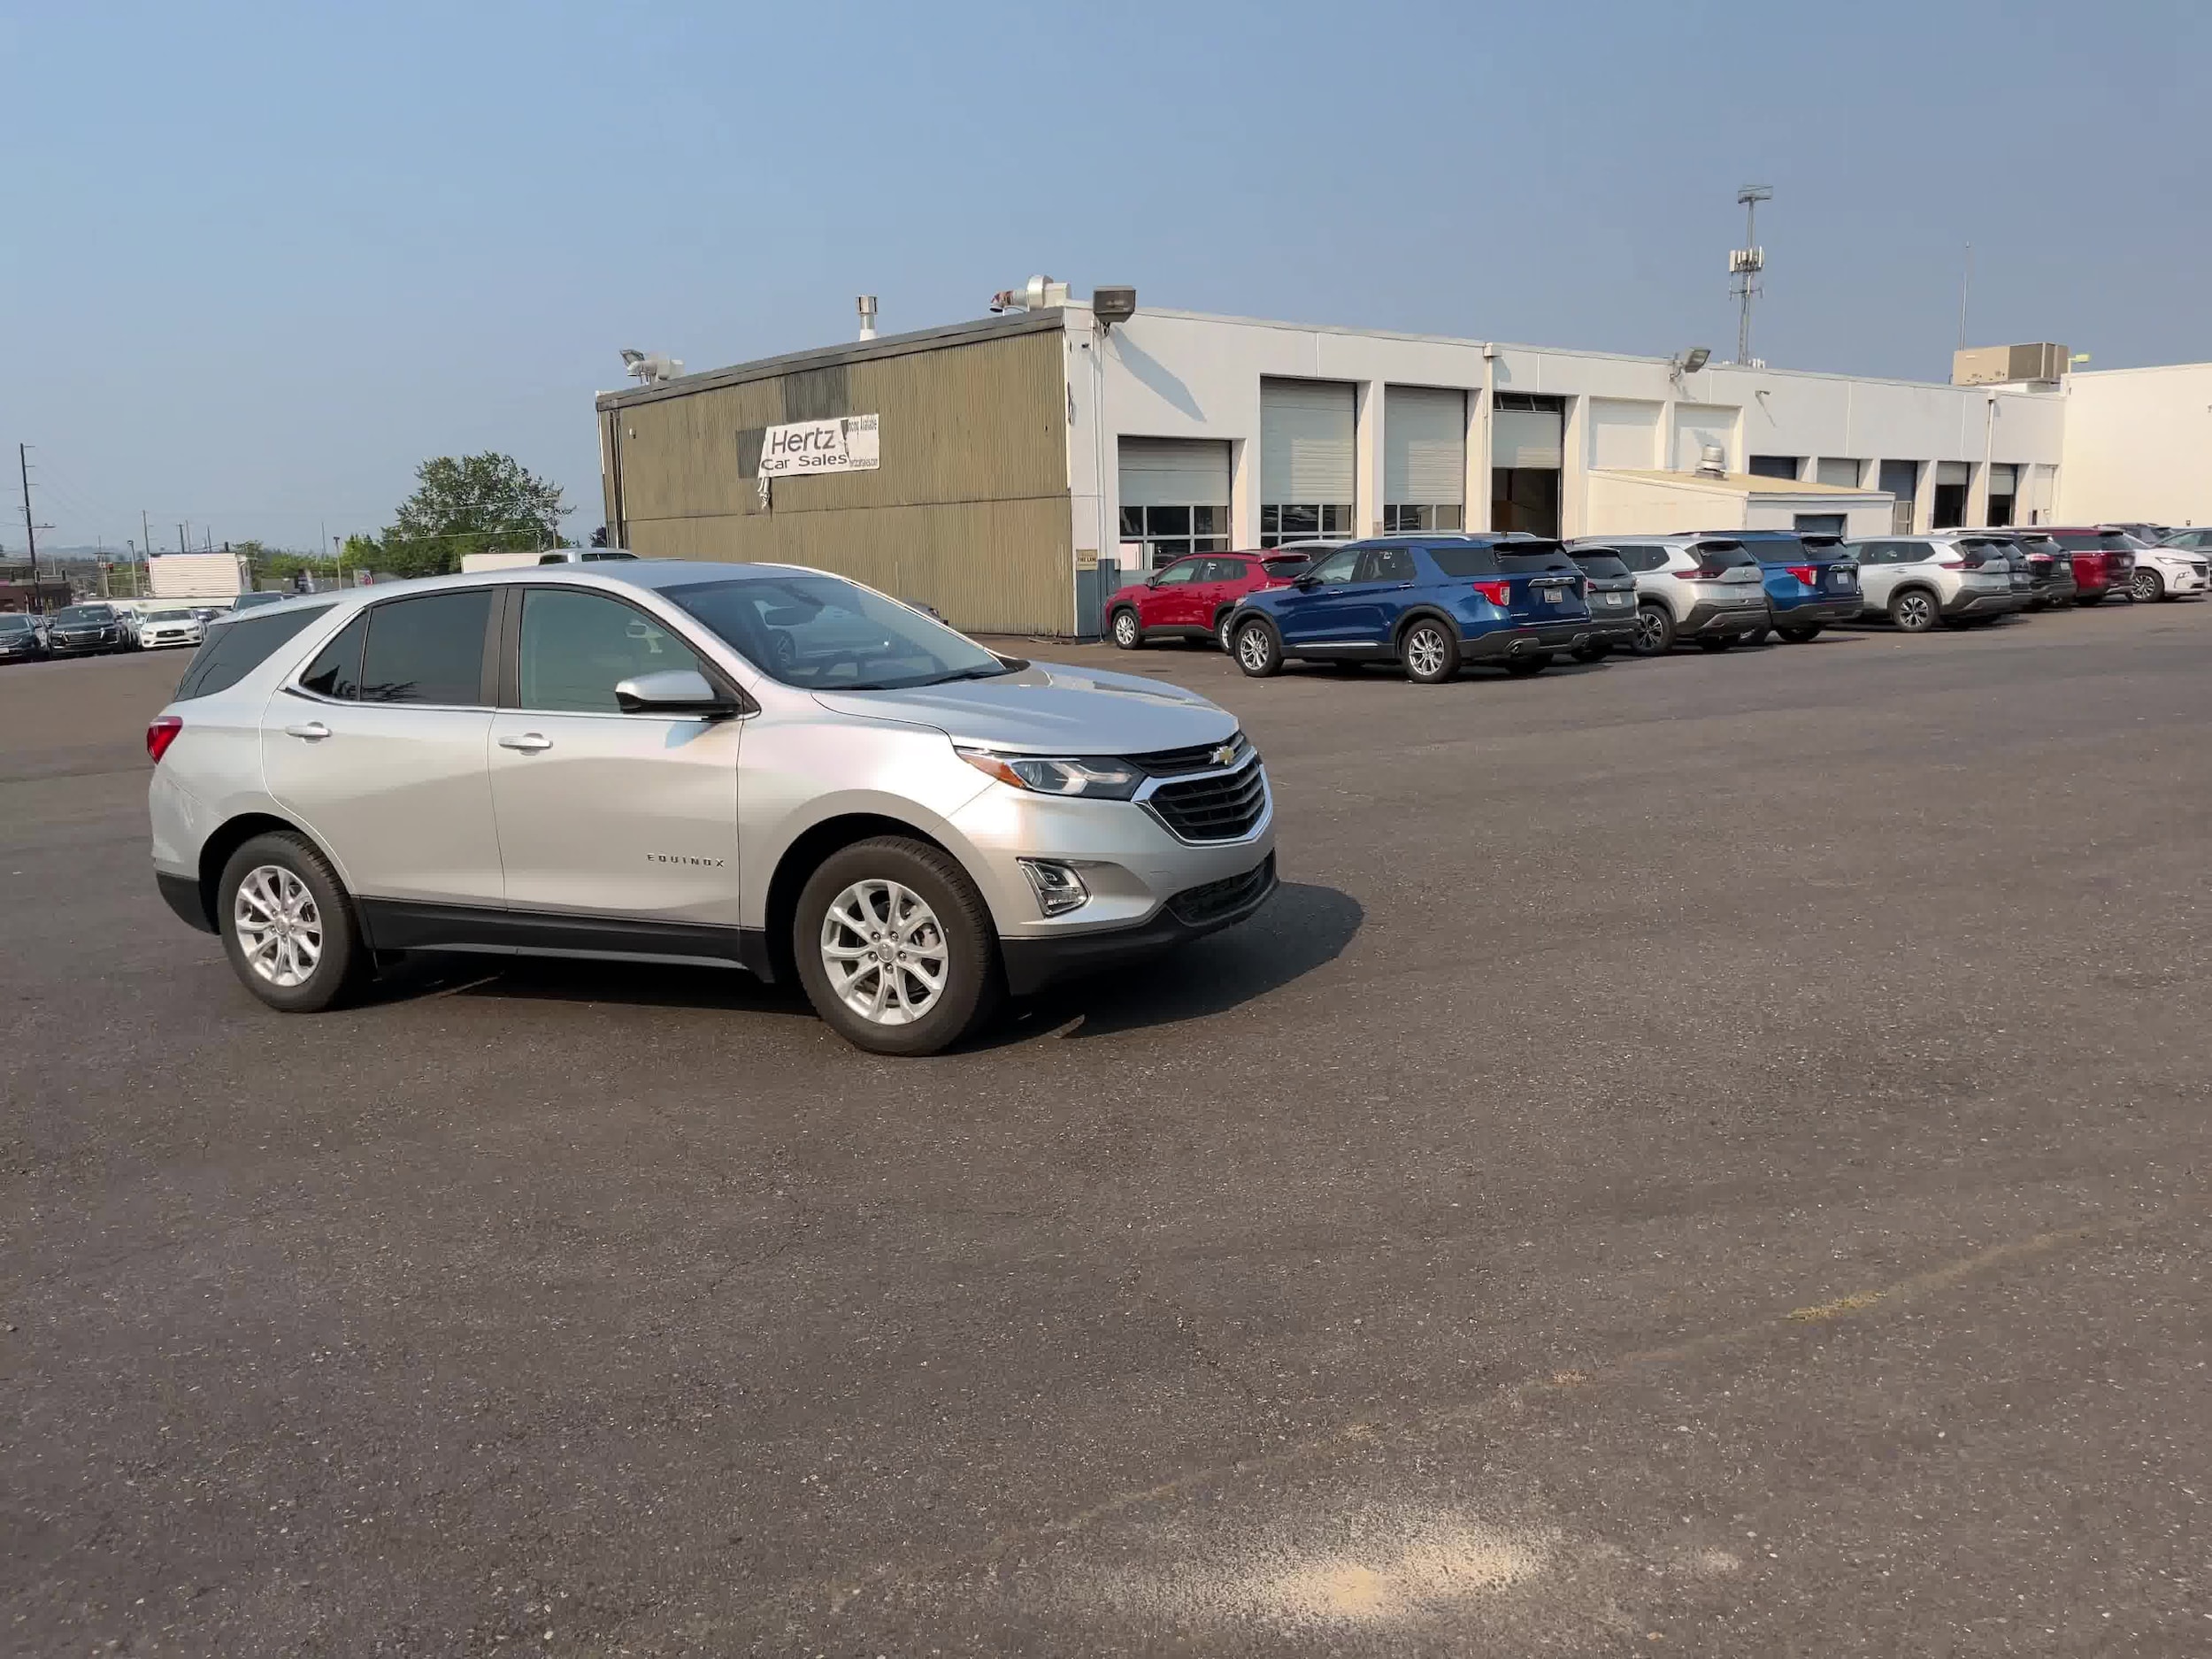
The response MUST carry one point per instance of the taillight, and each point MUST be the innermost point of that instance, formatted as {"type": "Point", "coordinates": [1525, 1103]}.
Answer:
{"type": "Point", "coordinates": [161, 733]}
{"type": "Point", "coordinates": [1951, 565]}
{"type": "Point", "coordinates": [1498, 593]}
{"type": "Point", "coordinates": [1805, 574]}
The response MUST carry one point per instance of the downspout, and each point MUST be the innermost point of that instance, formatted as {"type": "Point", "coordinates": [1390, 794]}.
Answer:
{"type": "Point", "coordinates": [1489, 448]}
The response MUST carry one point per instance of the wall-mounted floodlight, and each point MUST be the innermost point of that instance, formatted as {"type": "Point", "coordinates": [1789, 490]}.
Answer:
{"type": "Point", "coordinates": [1113, 305]}
{"type": "Point", "coordinates": [1688, 363]}
{"type": "Point", "coordinates": [651, 368]}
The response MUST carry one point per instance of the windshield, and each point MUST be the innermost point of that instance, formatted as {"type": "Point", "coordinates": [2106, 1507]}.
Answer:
{"type": "Point", "coordinates": [824, 634]}
{"type": "Point", "coordinates": [169, 616]}
{"type": "Point", "coordinates": [86, 613]}
{"type": "Point", "coordinates": [15, 625]}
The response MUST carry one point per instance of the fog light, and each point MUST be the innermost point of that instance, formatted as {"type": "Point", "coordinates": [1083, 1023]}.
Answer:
{"type": "Point", "coordinates": [1059, 890]}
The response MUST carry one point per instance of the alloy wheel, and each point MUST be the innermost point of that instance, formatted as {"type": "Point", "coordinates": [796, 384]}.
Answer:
{"type": "Point", "coordinates": [885, 952]}
{"type": "Point", "coordinates": [1226, 634]}
{"type": "Point", "coordinates": [1916, 613]}
{"type": "Point", "coordinates": [2143, 584]}
{"type": "Point", "coordinates": [1125, 630]}
{"type": "Point", "coordinates": [1252, 649]}
{"type": "Point", "coordinates": [279, 931]}
{"type": "Point", "coordinates": [1425, 651]}
{"type": "Point", "coordinates": [1651, 630]}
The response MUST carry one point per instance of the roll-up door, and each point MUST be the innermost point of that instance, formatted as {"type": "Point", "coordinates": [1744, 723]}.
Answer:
{"type": "Point", "coordinates": [1947, 511]}
{"type": "Point", "coordinates": [1527, 450]}
{"type": "Point", "coordinates": [1424, 459]}
{"type": "Point", "coordinates": [1306, 460]}
{"type": "Point", "coordinates": [1960, 473]}
{"type": "Point", "coordinates": [1833, 470]}
{"type": "Point", "coordinates": [1175, 496]}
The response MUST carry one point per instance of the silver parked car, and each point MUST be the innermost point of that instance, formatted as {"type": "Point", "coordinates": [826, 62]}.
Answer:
{"type": "Point", "coordinates": [746, 765]}
{"type": "Point", "coordinates": [1688, 586]}
{"type": "Point", "coordinates": [1917, 581]}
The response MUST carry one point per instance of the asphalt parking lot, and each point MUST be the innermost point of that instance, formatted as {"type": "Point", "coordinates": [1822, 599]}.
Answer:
{"type": "Point", "coordinates": [1702, 1156]}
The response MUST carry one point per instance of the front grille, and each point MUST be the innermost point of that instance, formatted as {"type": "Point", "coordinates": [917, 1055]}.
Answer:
{"type": "Point", "coordinates": [1195, 907]}
{"type": "Point", "coordinates": [1173, 763]}
{"type": "Point", "coordinates": [1223, 809]}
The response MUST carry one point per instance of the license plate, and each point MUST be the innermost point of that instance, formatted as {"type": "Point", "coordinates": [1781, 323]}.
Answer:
{"type": "Point", "coordinates": [1841, 579]}
{"type": "Point", "coordinates": [1552, 596]}
{"type": "Point", "coordinates": [1617, 599]}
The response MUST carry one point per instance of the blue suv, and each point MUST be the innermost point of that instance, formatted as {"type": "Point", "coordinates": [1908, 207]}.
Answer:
{"type": "Point", "coordinates": [1810, 580]}
{"type": "Point", "coordinates": [1431, 604]}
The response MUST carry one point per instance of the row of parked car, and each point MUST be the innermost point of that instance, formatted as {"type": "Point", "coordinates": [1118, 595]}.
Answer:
{"type": "Point", "coordinates": [98, 627]}
{"type": "Point", "coordinates": [1434, 602]}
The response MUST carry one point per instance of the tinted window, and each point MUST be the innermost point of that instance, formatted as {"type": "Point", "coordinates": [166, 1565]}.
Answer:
{"type": "Point", "coordinates": [1460, 562]}
{"type": "Point", "coordinates": [1337, 567]}
{"type": "Point", "coordinates": [829, 634]}
{"type": "Point", "coordinates": [1525, 559]}
{"type": "Point", "coordinates": [234, 649]}
{"type": "Point", "coordinates": [2079, 543]}
{"type": "Point", "coordinates": [1643, 559]}
{"type": "Point", "coordinates": [1389, 564]}
{"type": "Point", "coordinates": [1778, 549]}
{"type": "Point", "coordinates": [15, 625]}
{"type": "Point", "coordinates": [2039, 544]}
{"type": "Point", "coordinates": [77, 616]}
{"type": "Point", "coordinates": [1279, 568]}
{"type": "Point", "coordinates": [336, 670]}
{"type": "Point", "coordinates": [1605, 566]}
{"type": "Point", "coordinates": [428, 650]}
{"type": "Point", "coordinates": [1728, 556]}
{"type": "Point", "coordinates": [578, 646]}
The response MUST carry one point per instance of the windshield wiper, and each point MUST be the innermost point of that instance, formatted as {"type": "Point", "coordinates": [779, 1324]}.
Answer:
{"type": "Point", "coordinates": [977, 673]}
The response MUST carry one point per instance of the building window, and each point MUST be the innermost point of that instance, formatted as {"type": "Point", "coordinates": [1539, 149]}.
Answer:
{"type": "Point", "coordinates": [1422, 518]}
{"type": "Point", "coordinates": [1952, 479]}
{"type": "Point", "coordinates": [1295, 521]}
{"type": "Point", "coordinates": [1775, 466]}
{"type": "Point", "coordinates": [1524, 498]}
{"type": "Point", "coordinates": [1172, 532]}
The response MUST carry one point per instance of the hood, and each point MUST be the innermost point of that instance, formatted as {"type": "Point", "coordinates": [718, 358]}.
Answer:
{"type": "Point", "coordinates": [1050, 708]}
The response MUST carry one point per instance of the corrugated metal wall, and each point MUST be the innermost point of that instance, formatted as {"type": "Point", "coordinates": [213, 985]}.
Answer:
{"type": "Point", "coordinates": [968, 512]}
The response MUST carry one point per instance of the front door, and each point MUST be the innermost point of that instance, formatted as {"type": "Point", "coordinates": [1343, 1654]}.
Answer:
{"type": "Point", "coordinates": [602, 813]}
{"type": "Point", "coordinates": [1170, 601]}
{"type": "Point", "coordinates": [380, 750]}
{"type": "Point", "coordinates": [1311, 613]}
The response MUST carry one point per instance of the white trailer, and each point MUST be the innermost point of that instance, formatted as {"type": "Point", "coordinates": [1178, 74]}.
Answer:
{"type": "Point", "coordinates": [200, 575]}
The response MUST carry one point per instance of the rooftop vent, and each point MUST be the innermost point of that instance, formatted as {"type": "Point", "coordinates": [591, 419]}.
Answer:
{"type": "Point", "coordinates": [1036, 295]}
{"type": "Point", "coordinates": [1712, 461]}
{"type": "Point", "coordinates": [866, 306]}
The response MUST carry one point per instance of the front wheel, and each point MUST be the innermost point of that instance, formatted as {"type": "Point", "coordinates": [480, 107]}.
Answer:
{"type": "Point", "coordinates": [1913, 610]}
{"type": "Point", "coordinates": [1126, 634]}
{"type": "Point", "coordinates": [288, 925]}
{"type": "Point", "coordinates": [1801, 634]}
{"type": "Point", "coordinates": [1430, 653]}
{"type": "Point", "coordinates": [895, 947]}
{"type": "Point", "coordinates": [1654, 631]}
{"type": "Point", "coordinates": [1258, 652]}
{"type": "Point", "coordinates": [2145, 587]}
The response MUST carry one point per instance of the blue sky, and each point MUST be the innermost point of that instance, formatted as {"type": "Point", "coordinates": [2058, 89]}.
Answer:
{"type": "Point", "coordinates": [263, 260]}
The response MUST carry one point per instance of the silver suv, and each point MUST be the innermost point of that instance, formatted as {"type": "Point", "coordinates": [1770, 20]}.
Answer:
{"type": "Point", "coordinates": [744, 765]}
{"type": "Point", "coordinates": [1956, 579]}
{"type": "Point", "coordinates": [1701, 587]}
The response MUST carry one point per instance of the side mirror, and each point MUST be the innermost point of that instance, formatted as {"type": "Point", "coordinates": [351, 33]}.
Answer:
{"type": "Point", "coordinates": [1152, 581]}
{"type": "Point", "coordinates": [1304, 581]}
{"type": "Point", "coordinates": [673, 691]}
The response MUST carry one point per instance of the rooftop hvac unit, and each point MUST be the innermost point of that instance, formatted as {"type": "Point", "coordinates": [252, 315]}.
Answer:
{"type": "Point", "coordinates": [1993, 366]}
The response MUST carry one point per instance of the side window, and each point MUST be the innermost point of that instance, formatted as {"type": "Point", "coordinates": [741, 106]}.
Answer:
{"type": "Point", "coordinates": [234, 649]}
{"type": "Point", "coordinates": [578, 646]}
{"type": "Point", "coordinates": [336, 670]}
{"type": "Point", "coordinates": [1389, 564]}
{"type": "Point", "coordinates": [1643, 559]}
{"type": "Point", "coordinates": [1336, 570]}
{"type": "Point", "coordinates": [1181, 570]}
{"type": "Point", "coordinates": [1227, 570]}
{"type": "Point", "coordinates": [428, 650]}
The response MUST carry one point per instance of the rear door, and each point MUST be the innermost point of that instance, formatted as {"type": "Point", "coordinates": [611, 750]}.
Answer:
{"type": "Point", "coordinates": [602, 813]}
{"type": "Point", "coordinates": [379, 749]}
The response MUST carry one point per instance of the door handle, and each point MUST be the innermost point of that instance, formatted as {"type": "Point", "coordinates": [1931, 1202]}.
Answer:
{"type": "Point", "coordinates": [528, 742]}
{"type": "Point", "coordinates": [314, 730]}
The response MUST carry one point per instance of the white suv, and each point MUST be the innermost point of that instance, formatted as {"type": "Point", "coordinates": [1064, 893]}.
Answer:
{"type": "Point", "coordinates": [1703, 587]}
{"type": "Point", "coordinates": [738, 766]}
{"type": "Point", "coordinates": [1917, 581]}
{"type": "Point", "coordinates": [2166, 569]}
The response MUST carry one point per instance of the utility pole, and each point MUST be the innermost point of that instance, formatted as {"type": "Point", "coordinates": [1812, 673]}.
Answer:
{"type": "Point", "coordinates": [180, 546]}
{"type": "Point", "coordinates": [1745, 263]}
{"type": "Point", "coordinates": [30, 530]}
{"type": "Point", "coordinates": [1966, 283]}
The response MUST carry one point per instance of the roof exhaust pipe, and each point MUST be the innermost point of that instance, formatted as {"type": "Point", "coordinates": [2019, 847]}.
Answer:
{"type": "Point", "coordinates": [1039, 293]}
{"type": "Point", "coordinates": [866, 306]}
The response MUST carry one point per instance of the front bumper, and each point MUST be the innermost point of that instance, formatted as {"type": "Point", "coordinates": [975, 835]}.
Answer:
{"type": "Point", "coordinates": [1972, 604]}
{"type": "Point", "coordinates": [84, 647]}
{"type": "Point", "coordinates": [1033, 963]}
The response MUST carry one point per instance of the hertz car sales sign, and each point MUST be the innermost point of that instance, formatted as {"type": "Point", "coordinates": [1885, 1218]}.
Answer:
{"type": "Point", "coordinates": [845, 444]}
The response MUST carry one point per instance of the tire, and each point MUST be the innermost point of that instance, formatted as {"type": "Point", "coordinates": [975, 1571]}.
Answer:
{"type": "Point", "coordinates": [2146, 587]}
{"type": "Point", "coordinates": [1654, 631]}
{"type": "Point", "coordinates": [1526, 667]}
{"type": "Point", "coordinates": [1913, 610]}
{"type": "Point", "coordinates": [2089, 599]}
{"type": "Point", "coordinates": [1595, 652]}
{"type": "Point", "coordinates": [1124, 627]}
{"type": "Point", "coordinates": [945, 922]}
{"type": "Point", "coordinates": [1757, 636]}
{"type": "Point", "coordinates": [1430, 652]}
{"type": "Point", "coordinates": [1801, 634]}
{"type": "Point", "coordinates": [1715, 641]}
{"type": "Point", "coordinates": [1258, 653]}
{"type": "Point", "coordinates": [1223, 635]}
{"type": "Point", "coordinates": [286, 879]}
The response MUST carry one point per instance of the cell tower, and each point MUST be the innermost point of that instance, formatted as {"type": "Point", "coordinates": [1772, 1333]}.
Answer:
{"type": "Point", "coordinates": [1745, 263]}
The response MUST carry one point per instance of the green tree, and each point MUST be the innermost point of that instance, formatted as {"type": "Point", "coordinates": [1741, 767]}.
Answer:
{"type": "Point", "coordinates": [471, 503]}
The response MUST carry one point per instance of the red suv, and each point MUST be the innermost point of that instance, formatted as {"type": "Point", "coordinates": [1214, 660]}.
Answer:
{"type": "Point", "coordinates": [2103, 560]}
{"type": "Point", "coordinates": [1192, 598]}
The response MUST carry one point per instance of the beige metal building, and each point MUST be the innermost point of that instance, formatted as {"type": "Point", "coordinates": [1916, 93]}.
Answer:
{"type": "Point", "coordinates": [967, 510]}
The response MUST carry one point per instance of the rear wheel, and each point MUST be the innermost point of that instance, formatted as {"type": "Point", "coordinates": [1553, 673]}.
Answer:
{"type": "Point", "coordinates": [1430, 653]}
{"type": "Point", "coordinates": [289, 925]}
{"type": "Point", "coordinates": [1654, 631]}
{"type": "Point", "coordinates": [1757, 636]}
{"type": "Point", "coordinates": [895, 947]}
{"type": "Point", "coordinates": [1913, 610]}
{"type": "Point", "coordinates": [1534, 663]}
{"type": "Point", "coordinates": [1800, 634]}
{"type": "Point", "coordinates": [1126, 634]}
{"type": "Point", "coordinates": [2145, 584]}
{"type": "Point", "coordinates": [1258, 652]}
{"type": "Point", "coordinates": [1595, 651]}
{"type": "Point", "coordinates": [1224, 633]}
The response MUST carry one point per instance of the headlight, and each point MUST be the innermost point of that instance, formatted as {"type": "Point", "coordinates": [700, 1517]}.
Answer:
{"type": "Point", "coordinates": [1091, 776]}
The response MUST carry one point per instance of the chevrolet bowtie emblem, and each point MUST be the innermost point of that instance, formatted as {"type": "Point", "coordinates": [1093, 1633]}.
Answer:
{"type": "Point", "coordinates": [1226, 753]}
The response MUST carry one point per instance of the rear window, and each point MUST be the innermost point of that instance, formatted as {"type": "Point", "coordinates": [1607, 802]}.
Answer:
{"type": "Point", "coordinates": [1289, 565]}
{"type": "Point", "coordinates": [1776, 549]}
{"type": "Point", "coordinates": [1642, 558]}
{"type": "Point", "coordinates": [1728, 556]}
{"type": "Point", "coordinates": [1465, 561]}
{"type": "Point", "coordinates": [234, 649]}
{"type": "Point", "coordinates": [2039, 544]}
{"type": "Point", "coordinates": [1605, 566]}
{"type": "Point", "coordinates": [1522, 559]}
{"type": "Point", "coordinates": [2079, 543]}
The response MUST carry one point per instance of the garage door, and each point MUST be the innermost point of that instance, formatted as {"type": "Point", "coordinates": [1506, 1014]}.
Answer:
{"type": "Point", "coordinates": [1175, 496]}
{"type": "Point", "coordinates": [1424, 459]}
{"type": "Point", "coordinates": [1306, 486]}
